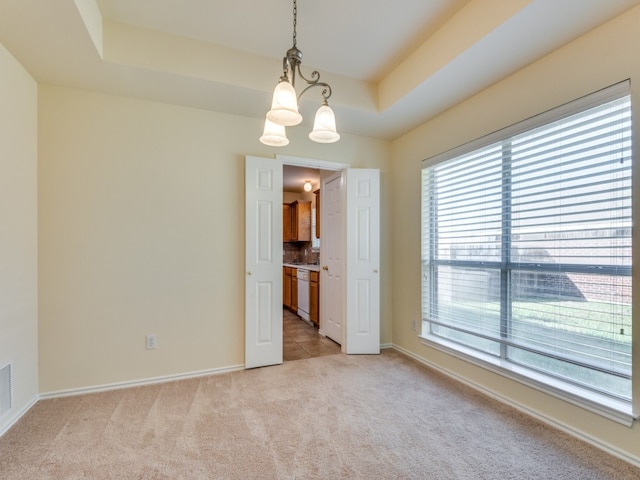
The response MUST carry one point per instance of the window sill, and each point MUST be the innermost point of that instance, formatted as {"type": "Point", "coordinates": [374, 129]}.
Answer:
{"type": "Point", "coordinates": [617, 410]}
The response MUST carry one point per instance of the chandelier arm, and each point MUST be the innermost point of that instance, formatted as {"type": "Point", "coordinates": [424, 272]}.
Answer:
{"type": "Point", "coordinates": [285, 70]}
{"type": "Point", "coordinates": [314, 81]}
{"type": "Point", "coordinates": [326, 91]}
{"type": "Point", "coordinates": [315, 76]}
{"type": "Point", "coordinates": [292, 62]}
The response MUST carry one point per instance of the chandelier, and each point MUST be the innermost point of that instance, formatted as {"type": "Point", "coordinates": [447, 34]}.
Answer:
{"type": "Point", "coordinates": [284, 107]}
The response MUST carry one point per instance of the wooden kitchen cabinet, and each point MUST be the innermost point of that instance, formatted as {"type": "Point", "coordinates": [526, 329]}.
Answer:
{"type": "Point", "coordinates": [286, 222]}
{"type": "Point", "coordinates": [290, 288]}
{"type": "Point", "coordinates": [296, 221]}
{"type": "Point", "coordinates": [314, 297]}
{"type": "Point", "coordinates": [286, 286]}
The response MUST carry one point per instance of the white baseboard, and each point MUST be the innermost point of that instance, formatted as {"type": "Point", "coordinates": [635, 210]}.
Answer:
{"type": "Point", "coordinates": [139, 383]}
{"type": "Point", "coordinates": [596, 442]}
{"type": "Point", "coordinates": [12, 419]}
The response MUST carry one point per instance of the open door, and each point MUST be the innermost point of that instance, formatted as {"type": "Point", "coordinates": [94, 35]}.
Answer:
{"type": "Point", "coordinates": [263, 262]}
{"type": "Point", "coordinates": [350, 258]}
{"type": "Point", "coordinates": [362, 271]}
{"type": "Point", "coordinates": [332, 311]}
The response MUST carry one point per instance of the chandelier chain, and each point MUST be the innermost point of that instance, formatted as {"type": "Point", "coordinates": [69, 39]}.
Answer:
{"type": "Point", "coordinates": [295, 21]}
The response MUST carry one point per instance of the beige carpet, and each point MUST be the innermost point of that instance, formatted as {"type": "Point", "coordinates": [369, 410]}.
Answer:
{"type": "Point", "coordinates": [332, 417]}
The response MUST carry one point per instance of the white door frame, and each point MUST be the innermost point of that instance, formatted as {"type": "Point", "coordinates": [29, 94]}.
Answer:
{"type": "Point", "coordinates": [311, 163]}
{"type": "Point", "coordinates": [282, 160]}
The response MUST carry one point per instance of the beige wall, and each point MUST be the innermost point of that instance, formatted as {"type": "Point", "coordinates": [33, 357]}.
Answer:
{"type": "Point", "coordinates": [18, 233]}
{"type": "Point", "coordinates": [142, 231]}
{"type": "Point", "coordinates": [602, 57]}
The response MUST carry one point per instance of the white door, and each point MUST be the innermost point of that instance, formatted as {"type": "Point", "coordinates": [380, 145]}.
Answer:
{"type": "Point", "coordinates": [332, 261]}
{"type": "Point", "coordinates": [362, 261]}
{"type": "Point", "coordinates": [263, 262]}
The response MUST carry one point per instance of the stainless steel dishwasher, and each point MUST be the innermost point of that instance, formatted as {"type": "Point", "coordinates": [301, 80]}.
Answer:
{"type": "Point", "coordinates": [303, 293]}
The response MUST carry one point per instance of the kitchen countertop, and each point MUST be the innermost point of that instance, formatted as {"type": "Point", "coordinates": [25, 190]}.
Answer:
{"type": "Point", "coordinates": [304, 266]}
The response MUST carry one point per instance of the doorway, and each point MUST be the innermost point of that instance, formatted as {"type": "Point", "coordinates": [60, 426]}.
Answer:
{"type": "Point", "coordinates": [359, 306]}
{"type": "Point", "coordinates": [301, 336]}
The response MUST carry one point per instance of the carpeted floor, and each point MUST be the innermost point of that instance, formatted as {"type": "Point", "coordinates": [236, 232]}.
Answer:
{"type": "Point", "coordinates": [331, 417]}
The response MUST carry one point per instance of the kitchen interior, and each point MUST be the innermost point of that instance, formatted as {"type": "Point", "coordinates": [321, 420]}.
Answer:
{"type": "Point", "coordinates": [301, 265]}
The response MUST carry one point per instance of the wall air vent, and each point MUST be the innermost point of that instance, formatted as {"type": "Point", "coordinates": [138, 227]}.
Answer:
{"type": "Point", "coordinates": [5, 389]}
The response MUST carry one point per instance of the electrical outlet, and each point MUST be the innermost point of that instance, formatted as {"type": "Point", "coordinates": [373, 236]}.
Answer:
{"type": "Point", "coordinates": [152, 342]}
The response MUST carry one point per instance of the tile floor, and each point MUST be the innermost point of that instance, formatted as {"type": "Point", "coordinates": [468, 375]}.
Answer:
{"type": "Point", "coordinates": [301, 340]}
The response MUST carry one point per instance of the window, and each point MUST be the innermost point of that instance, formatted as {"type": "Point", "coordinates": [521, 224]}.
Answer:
{"type": "Point", "coordinates": [526, 246]}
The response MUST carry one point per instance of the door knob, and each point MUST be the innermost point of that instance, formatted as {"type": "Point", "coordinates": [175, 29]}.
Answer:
{"type": "Point", "coordinates": [249, 274]}
{"type": "Point", "coordinates": [325, 268]}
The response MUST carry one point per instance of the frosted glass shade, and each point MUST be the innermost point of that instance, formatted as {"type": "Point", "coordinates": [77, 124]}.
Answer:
{"type": "Point", "coordinates": [274, 135]}
{"type": "Point", "coordinates": [324, 126]}
{"type": "Point", "coordinates": [284, 107]}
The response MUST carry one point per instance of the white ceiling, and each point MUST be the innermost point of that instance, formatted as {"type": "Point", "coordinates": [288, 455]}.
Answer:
{"type": "Point", "coordinates": [294, 178]}
{"type": "Point", "coordinates": [392, 65]}
{"type": "Point", "coordinates": [374, 30]}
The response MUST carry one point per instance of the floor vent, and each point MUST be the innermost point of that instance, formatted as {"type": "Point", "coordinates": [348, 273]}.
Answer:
{"type": "Point", "coordinates": [5, 389]}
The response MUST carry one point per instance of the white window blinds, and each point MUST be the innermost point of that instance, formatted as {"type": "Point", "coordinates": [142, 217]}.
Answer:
{"type": "Point", "coordinates": [527, 244]}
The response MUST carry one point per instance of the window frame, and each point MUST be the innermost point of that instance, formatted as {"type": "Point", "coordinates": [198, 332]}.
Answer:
{"type": "Point", "coordinates": [615, 409]}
